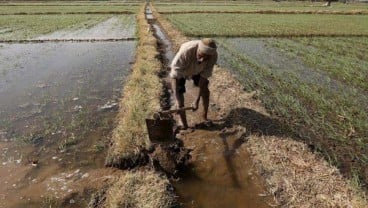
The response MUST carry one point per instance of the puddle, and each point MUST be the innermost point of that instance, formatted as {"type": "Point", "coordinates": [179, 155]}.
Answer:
{"type": "Point", "coordinates": [220, 175]}
{"type": "Point", "coordinates": [114, 28]}
{"type": "Point", "coordinates": [58, 102]}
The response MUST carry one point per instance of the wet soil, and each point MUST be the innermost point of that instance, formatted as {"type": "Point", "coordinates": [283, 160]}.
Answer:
{"type": "Point", "coordinates": [221, 172]}
{"type": "Point", "coordinates": [58, 102]}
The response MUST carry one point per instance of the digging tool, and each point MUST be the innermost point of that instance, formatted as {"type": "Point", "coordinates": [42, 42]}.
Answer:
{"type": "Point", "coordinates": [160, 128]}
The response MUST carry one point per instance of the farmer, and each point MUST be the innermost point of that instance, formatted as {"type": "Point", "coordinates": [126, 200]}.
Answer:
{"type": "Point", "coordinates": [194, 60]}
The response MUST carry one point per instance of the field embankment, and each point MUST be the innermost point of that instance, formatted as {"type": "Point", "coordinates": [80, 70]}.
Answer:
{"type": "Point", "coordinates": [276, 151]}
{"type": "Point", "coordinates": [141, 98]}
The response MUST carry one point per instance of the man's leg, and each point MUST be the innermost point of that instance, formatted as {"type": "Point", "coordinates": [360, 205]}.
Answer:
{"type": "Point", "coordinates": [178, 86]}
{"type": "Point", "coordinates": [205, 94]}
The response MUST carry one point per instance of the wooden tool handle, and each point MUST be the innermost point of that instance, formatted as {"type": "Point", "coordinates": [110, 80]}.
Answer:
{"type": "Point", "coordinates": [176, 110]}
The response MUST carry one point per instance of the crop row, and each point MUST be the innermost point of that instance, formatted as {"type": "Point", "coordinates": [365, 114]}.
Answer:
{"type": "Point", "coordinates": [328, 114]}
{"type": "Point", "coordinates": [24, 27]}
{"type": "Point", "coordinates": [65, 9]}
{"type": "Point", "coordinates": [253, 25]}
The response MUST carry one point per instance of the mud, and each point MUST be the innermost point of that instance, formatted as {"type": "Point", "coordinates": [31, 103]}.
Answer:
{"type": "Point", "coordinates": [57, 107]}
{"type": "Point", "coordinates": [171, 159]}
{"type": "Point", "coordinates": [113, 28]}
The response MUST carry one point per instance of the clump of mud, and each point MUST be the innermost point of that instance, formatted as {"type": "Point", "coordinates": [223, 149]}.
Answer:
{"type": "Point", "coordinates": [171, 159]}
{"type": "Point", "coordinates": [140, 158]}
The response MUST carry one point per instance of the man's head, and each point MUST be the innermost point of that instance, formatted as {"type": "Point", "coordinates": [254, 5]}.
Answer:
{"type": "Point", "coordinates": [206, 48]}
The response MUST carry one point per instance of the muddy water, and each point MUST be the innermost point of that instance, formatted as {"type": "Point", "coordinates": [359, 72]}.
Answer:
{"type": "Point", "coordinates": [57, 107]}
{"type": "Point", "coordinates": [221, 174]}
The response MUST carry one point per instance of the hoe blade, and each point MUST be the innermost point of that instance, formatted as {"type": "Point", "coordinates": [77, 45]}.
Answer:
{"type": "Point", "coordinates": [160, 130]}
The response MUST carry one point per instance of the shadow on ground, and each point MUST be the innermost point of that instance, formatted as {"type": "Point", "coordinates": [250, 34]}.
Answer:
{"type": "Point", "coordinates": [253, 121]}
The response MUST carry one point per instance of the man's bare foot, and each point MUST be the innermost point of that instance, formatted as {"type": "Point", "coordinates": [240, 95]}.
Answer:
{"type": "Point", "coordinates": [205, 124]}
{"type": "Point", "coordinates": [177, 129]}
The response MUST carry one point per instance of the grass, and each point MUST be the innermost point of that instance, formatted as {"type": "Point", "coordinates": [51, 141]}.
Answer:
{"type": "Point", "coordinates": [262, 6]}
{"type": "Point", "coordinates": [29, 26]}
{"type": "Point", "coordinates": [71, 3]}
{"type": "Point", "coordinates": [330, 117]}
{"type": "Point", "coordinates": [314, 184]}
{"type": "Point", "coordinates": [254, 25]}
{"type": "Point", "coordinates": [31, 9]}
{"type": "Point", "coordinates": [344, 59]}
{"type": "Point", "coordinates": [140, 100]}
{"type": "Point", "coordinates": [145, 189]}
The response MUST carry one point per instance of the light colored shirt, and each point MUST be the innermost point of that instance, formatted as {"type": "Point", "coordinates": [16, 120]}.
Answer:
{"type": "Point", "coordinates": [185, 63]}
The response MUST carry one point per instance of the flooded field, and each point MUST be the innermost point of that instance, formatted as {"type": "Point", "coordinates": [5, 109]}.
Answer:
{"type": "Point", "coordinates": [319, 92]}
{"type": "Point", "coordinates": [58, 102]}
{"type": "Point", "coordinates": [113, 28]}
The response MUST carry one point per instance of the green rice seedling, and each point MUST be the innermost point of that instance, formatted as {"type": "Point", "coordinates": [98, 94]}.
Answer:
{"type": "Point", "coordinates": [296, 6]}
{"type": "Point", "coordinates": [28, 26]}
{"type": "Point", "coordinates": [331, 120]}
{"type": "Point", "coordinates": [66, 9]}
{"type": "Point", "coordinates": [269, 25]}
{"type": "Point", "coordinates": [342, 58]}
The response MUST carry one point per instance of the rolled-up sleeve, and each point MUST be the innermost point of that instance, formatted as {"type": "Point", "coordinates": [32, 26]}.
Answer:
{"type": "Point", "coordinates": [207, 71]}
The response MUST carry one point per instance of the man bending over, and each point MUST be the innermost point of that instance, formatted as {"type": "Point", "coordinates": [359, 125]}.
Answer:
{"type": "Point", "coordinates": [194, 60]}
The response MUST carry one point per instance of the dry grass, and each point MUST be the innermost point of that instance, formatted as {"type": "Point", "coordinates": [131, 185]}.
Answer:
{"type": "Point", "coordinates": [143, 189]}
{"type": "Point", "coordinates": [141, 97]}
{"type": "Point", "coordinates": [295, 176]}
{"type": "Point", "coordinates": [298, 178]}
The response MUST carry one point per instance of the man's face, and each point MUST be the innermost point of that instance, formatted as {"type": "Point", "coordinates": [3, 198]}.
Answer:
{"type": "Point", "coordinates": [202, 57]}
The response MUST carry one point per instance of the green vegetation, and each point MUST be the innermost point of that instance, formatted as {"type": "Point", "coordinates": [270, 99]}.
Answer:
{"type": "Point", "coordinates": [65, 9]}
{"type": "Point", "coordinates": [324, 101]}
{"type": "Point", "coordinates": [270, 6]}
{"type": "Point", "coordinates": [28, 26]}
{"type": "Point", "coordinates": [344, 59]}
{"type": "Point", "coordinates": [229, 25]}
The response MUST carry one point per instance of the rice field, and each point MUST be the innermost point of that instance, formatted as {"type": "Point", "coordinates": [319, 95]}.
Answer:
{"type": "Point", "coordinates": [30, 26]}
{"type": "Point", "coordinates": [61, 77]}
{"type": "Point", "coordinates": [260, 25]}
{"type": "Point", "coordinates": [234, 6]}
{"type": "Point", "coordinates": [62, 9]}
{"type": "Point", "coordinates": [310, 70]}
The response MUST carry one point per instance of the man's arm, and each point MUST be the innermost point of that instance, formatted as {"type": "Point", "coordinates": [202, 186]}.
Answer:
{"type": "Point", "coordinates": [204, 92]}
